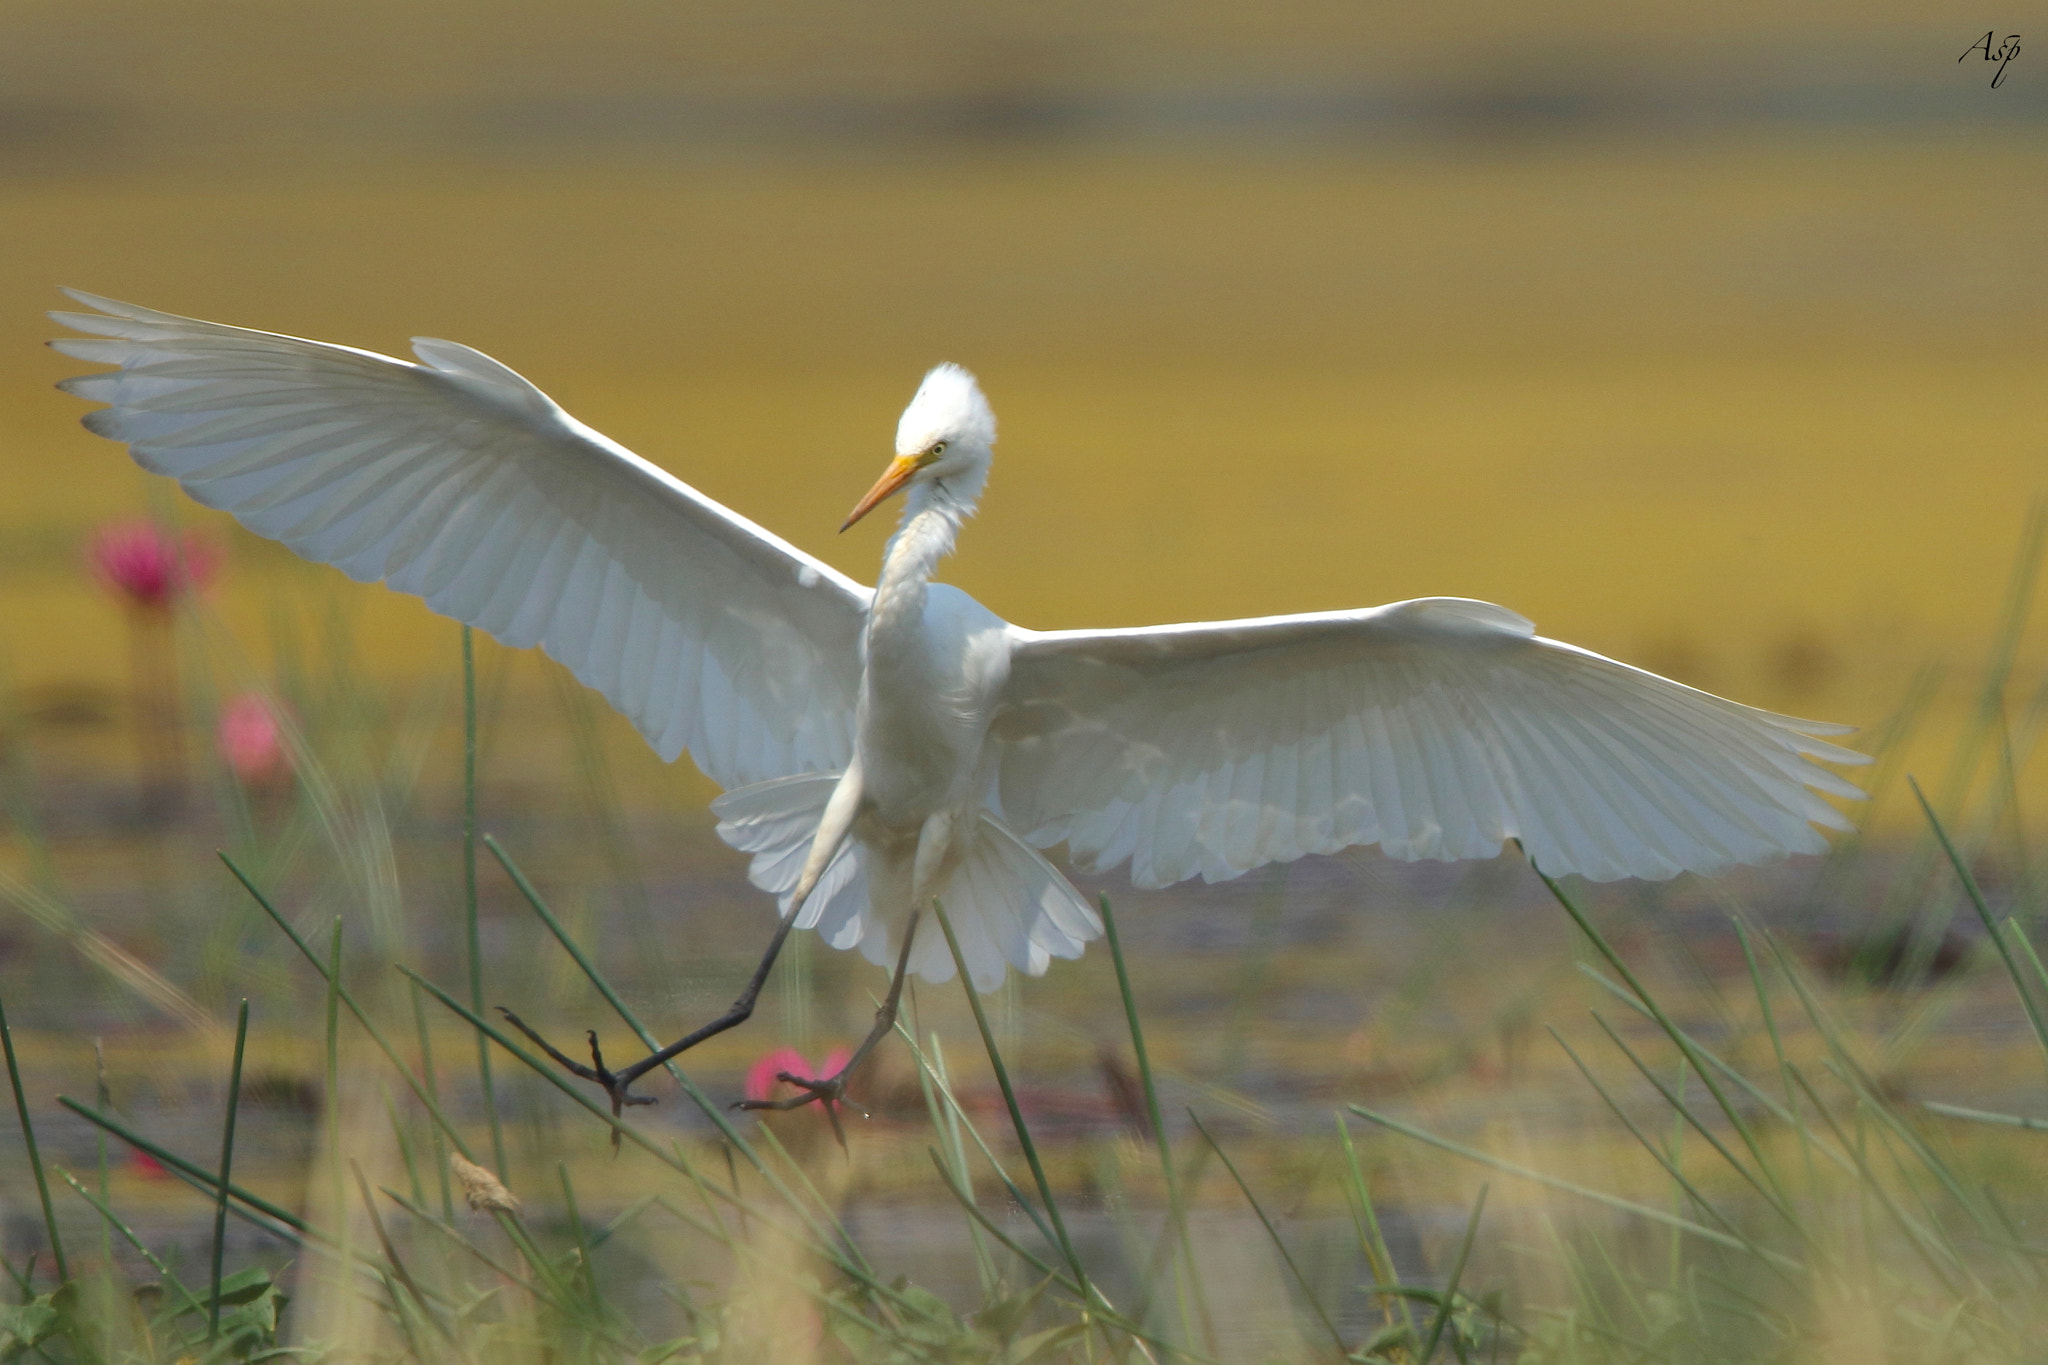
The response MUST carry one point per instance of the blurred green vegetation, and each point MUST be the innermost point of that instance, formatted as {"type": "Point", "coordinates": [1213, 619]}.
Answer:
{"type": "Point", "coordinates": [1790, 1115]}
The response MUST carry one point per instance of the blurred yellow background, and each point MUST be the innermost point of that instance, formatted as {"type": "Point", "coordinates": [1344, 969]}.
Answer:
{"type": "Point", "coordinates": [1709, 338]}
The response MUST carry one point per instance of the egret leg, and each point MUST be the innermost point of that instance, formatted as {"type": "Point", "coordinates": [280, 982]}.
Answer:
{"type": "Point", "coordinates": [617, 1084]}
{"type": "Point", "coordinates": [833, 829]}
{"type": "Point", "coordinates": [832, 1089]}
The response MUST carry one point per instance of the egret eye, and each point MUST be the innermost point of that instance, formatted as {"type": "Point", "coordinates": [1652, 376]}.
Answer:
{"type": "Point", "coordinates": [938, 449]}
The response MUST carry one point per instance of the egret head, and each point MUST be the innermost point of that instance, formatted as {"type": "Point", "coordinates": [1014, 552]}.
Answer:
{"type": "Point", "coordinates": [943, 438]}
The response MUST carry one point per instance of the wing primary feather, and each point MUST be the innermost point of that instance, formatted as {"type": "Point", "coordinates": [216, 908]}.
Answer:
{"type": "Point", "coordinates": [460, 482]}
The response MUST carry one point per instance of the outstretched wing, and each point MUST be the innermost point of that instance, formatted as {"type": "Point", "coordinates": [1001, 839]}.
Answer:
{"type": "Point", "coordinates": [1436, 728]}
{"type": "Point", "coordinates": [460, 482]}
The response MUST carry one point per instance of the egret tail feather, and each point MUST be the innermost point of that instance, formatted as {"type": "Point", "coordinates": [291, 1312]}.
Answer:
{"type": "Point", "coordinates": [1010, 907]}
{"type": "Point", "coordinates": [777, 822]}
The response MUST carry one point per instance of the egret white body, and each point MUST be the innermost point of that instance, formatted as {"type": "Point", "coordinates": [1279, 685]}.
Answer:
{"type": "Point", "coordinates": [882, 748]}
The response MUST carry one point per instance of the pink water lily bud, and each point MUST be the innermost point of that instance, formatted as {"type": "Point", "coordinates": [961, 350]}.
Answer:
{"type": "Point", "coordinates": [149, 567]}
{"type": "Point", "coordinates": [251, 739]}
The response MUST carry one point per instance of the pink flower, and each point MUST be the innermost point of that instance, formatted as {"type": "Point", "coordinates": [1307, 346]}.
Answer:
{"type": "Point", "coordinates": [146, 1166]}
{"type": "Point", "coordinates": [251, 739]}
{"type": "Point", "coordinates": [763, 1077]}
{"type": "Point", "coordinates": [148, 567]}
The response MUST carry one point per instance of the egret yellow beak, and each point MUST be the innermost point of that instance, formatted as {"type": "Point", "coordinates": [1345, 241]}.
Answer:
{"type": "Point", "coordinates": [899, 472]}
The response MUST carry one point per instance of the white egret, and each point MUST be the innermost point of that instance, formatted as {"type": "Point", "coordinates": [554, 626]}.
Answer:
{"type": "Point", "coordinates": [884, 748]}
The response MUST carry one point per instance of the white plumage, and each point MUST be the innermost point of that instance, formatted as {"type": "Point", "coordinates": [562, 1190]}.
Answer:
{"type": "Point", "coordinates": [885, 747]}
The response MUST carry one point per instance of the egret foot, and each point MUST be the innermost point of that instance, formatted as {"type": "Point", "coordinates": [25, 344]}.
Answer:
{"type": "Point", "coordinates": [618, 1084]}
{"type": "Point", "coordinates": [831, 1091]}
{"type": "Point", "coordinates": [615, 1083]}
{"type": "Point", "coordinates": [828, 1094]}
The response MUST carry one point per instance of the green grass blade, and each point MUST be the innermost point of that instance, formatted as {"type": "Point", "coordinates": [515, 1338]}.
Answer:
{"type": "Point", "coordinates": [427, 1078]}
{"type": "Point", "coordinates": [1702, 1061]}
{"type": "Point", "coordinates": [348, 1000]}
{"type": "Point", "coordinates": [209, 1180]}
{"type": "Point", "coordinates": [251, 1208]}
{"type": "Point", "coordinates": [35, 1157]}
{"type": "Point", "coordinates": [1450, 1299]}
{"type": "Point", "coordinates": [900, 1304]}
{"type": "Point", "coordinates": [816, 1240]}
{"type": "Point", "coordinates": [1086, 1293]}
{"type": "Point", "coordinates": [471, 934]}
{"type": "Point", "coordinates": [541, 1068]}
{"type": "Point", "coordinates": [401, 1133]}
{"type": "Point", "coordinates": [102, 1098]}
{"type": "Point", "coordinates": [2019, 594]}
{"type": "Point", "coordinates": [337, 1190]}
{"type": "Point", "coordinates": [714, 1112]}
{"type": "Point", "coordinates": [1957, 1111]}
{"type": "Point", "coordinates": [995, 1058]}
{"type": "Point", "coordinates": [1695, 1052]}
{"type": "Point", "coordinates": [581, 1236]}
{"type": "Point", "coordinates": [1144, 1060]}
{"type": "Point", "coordinates": [113, 1221]}
{"type": "Point", "coordinates": [1308, 1291]}
{"type": "Point", "coordinates": [540, 1293]}
{"type": "Point", "coordinates": [1628, 1206]}
{"type": "Point", "coordinates": [847, 1260]}
{"type": "Point", "coordinates": [1371, 1239]}
{"type": "Point", "coordinates": [1024, 1138]}
{"type": "Point", "coordinates": [945, 1088]}
{"type": "Point", "coordinates": [394, 1264]}
{"type": "Point", "coordinates": [823, 1213]}
{"type": "Point", "coordinates": [1788, 1112]}
{"type": "Point", "coordinates": [931, 1077]}
{"type": "Point", "coordinates": [1657, 1154]}
{"type": "Point", "coordinates": [2025, 945]}
{"type": "Point", "coordinates": [1976, 899]}
{"type": "Point", "coordinates": [1063, 1278]}
{"type": "Point", "coordinates": [1924, 1241]}
{"type": "Point", "coordinates": [621, 1220]}
{"type": "Point", "coordinates": [1676, 1103]}
{"type": "Point", "coordinates": [227, 1165]}
{"type": "Point", "coordinates": [1176, 1209]}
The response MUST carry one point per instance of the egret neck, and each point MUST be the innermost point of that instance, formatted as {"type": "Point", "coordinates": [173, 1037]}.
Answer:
{"type": "Point", "coordinates": [923, 699]}
{"type": "Point", "coordinates": [932, 515]}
